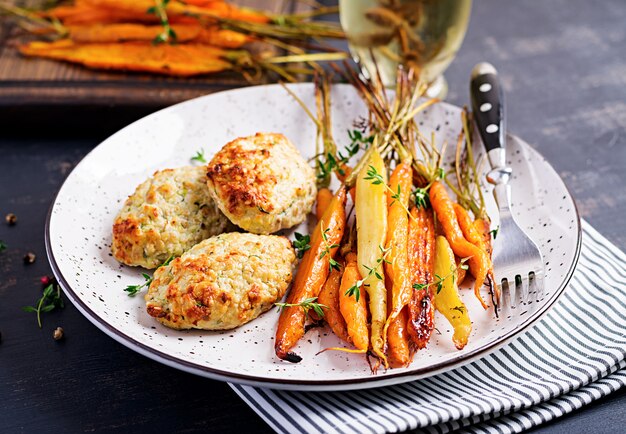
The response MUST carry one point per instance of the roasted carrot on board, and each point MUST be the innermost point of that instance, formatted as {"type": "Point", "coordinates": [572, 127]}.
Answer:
{"type": "Point", "coordinates": [396, 265]}
{"type": "Point", "coordinates": [178, 60]}
{"type": "Point", "coordinates": [421, 309]}
{"type": "Point", "coordinates": [479, 262]}
{"type": "Point", "coordinates": [311, 276]}
{"type": "Point", "coordinates": [371, 222]}
{"type": "Point", "coordinates": [329, 297]}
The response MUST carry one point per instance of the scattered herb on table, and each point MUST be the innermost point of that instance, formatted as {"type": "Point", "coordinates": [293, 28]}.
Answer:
{"type": "Point", "coordinates": [3, 246]}
{"type": "Point", "coordinates": [50, 300]}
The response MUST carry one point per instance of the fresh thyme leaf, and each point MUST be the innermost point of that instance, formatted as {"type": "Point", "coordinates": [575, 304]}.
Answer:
{"type": "Point", "coordinates": [132, 290]}
{"type": "Point", "coordinates": [301, 244]}
{"type": "Point", "coordinates": [357, 142]}
{"type": "Point", "coordinates": [355, 289]}
{"type": "Point", "coordinates": [306, 305]}
{"type": "Point", "coordinates": [440, 279]}
{"type": "Point", "coordinates": [332, 264]}
{"type": "Point", "coordinates": [50, 300]}
{"type": "Point", "coordinates": [420, 197]}
{"type": "Point", "coordinates": [493, 232]}
{"type": "Point", "coordinates": [199, 157]}
{"type": "Point", "coordinates": [3, 246]}
{"type": "Point", "coordinates": [160, 11]}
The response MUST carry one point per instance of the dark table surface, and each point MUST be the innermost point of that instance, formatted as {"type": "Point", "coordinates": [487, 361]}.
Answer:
{"type": "Point", "coordinates": [563, 65]}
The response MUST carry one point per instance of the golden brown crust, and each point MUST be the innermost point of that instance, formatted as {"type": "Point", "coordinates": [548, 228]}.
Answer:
{"type": "Point", "coordinates": [262, 183]}
{"type": "Point", "coordinates": [222, 282]}
{"type": "Point", "coordinates": [166, 215]}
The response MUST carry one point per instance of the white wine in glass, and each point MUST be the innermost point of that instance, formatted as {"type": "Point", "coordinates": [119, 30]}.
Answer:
{"type": "Point", "coordinates": [422, 34]}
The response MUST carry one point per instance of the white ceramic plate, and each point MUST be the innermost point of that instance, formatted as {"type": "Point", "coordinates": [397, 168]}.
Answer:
{"type": "Point", "coordinates": [78, 240]}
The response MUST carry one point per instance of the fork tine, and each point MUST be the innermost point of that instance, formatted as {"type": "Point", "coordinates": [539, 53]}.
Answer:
{"type": "Point", "coordinates": [525, 289]}
{"type": "Point", "coordinates": [510, 288]}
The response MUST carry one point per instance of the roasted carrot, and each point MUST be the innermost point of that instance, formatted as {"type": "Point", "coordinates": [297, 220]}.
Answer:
{"type": "Point", "coordinates": [421, 309]}
{"type": "Point", "coordinates": [312, 274]}
{"type": "Point", "coordinates": [447, 299]}
{"type": "Point", "coordinates": [99, 33]}
{"type": "Point", "coordinates": [324, 196]}
{"type": "Point", "coordinates": [352, 310]}
{"type": "Point", "coordinates": [181, 60]}
{"type": "Point", "coordinates": [398, 348]}
{"type": "Point", "coordinates": [483, 227]}
{"type": "Point", "coordinates": [397, 266]}
{"type": "Point", "coordinates": [475, 234]}
{"type": "Point", "coordinates": [329, 296]}
{"type": "Point", "coordinates": [221, 37]}
{"type": "Point", "coordinates": [371, 222]}
{"type": "Point", "coordinates": [479, 262]}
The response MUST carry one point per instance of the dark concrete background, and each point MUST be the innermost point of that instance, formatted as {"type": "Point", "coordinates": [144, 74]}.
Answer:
{"type": "Point", "coordinates": [563, 64]}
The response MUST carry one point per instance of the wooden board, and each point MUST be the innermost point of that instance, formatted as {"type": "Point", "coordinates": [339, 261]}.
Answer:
{"type": "Point", "coordinates": [31, 82]}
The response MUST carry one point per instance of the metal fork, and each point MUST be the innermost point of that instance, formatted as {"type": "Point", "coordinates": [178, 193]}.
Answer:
{"type": "Point", "coordinates": [516, 258]}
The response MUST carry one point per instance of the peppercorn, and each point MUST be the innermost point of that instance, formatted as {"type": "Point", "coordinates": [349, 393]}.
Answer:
{"type": "Point", "coordinates": [29, 258]}
{"type": "Point", "coordinates": [58, 334]}
{"type": "Point", "coordinates": [11, 219]}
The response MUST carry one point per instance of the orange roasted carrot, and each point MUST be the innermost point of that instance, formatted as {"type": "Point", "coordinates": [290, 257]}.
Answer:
{"type": "Point", "coordinates": [98, 33]}
{"type": "Point", "coordinates": [324, 196]}
{"type": "Point", "coordinates": [421, 309]}
{"type": "Point", "coordinates": [483, 227]}
{"type": "Point", "coordinates": [312, 274]}
{"type": "Point", "coordinates": [221, 37]}
{"type": "Point", "coordinates": [354, 310]}
{"type": "Point", "coordinates": [479, 261]}
{"type": "Point", "coordinates": [329, 297]}
{"type": "Point", "coordinates": [182, 60]}
{"type": "Point", "coordinates": [398, 349]}
{"type": "Point", "coordinates": [397, 267]}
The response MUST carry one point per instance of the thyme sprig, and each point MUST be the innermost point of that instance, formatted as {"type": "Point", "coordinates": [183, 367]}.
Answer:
{"type": "Point", "coordinates": [50, 300]}
{"type": "Point", "coordinates": [371, 271]}
{"type": "Point", "coordinates": [440, 279]}
{"type": "Point", "coordinates": [301, 244]}
{"type": "Point", "coordinates": [377, 179]}
{"type": "Point", "coordinates": [3, 246]}
{"type": "Point", "coordinates": [199, 157]}
{"type": "Point", "coordinates": [132, 290]}
{"type": "Point", "coordinates": [306, 305]}
{"type": "Point", "coordinates": [160, 10]}
{"type": "Point", "coordinates": [332, 264]}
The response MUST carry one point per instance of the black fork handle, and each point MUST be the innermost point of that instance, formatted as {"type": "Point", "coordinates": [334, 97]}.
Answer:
{"type": "Point", "coordinates": [488, 106]}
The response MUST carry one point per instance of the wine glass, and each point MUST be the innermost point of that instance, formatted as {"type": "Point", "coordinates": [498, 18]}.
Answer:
{"type": "Point", "coordinates": [422, 34]}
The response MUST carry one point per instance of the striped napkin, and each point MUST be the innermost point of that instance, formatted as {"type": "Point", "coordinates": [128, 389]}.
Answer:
{"type": "Point", "coordinates": [575, 355]}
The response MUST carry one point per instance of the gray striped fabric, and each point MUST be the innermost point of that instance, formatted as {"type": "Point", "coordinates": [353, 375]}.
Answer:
{"type": "Point", "coordinates": [575, 355]}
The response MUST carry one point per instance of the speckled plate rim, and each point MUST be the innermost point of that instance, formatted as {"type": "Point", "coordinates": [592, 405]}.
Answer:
{"type": "Point", "coordinates": [312, 385]}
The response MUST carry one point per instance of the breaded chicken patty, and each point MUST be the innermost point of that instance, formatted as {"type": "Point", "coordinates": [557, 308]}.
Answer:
{"type": "Point", "coordinates": [222, 282]}
{"type": "Point", "coordinates": [262, 183]}
{"type": "Point", "coordinates": [165, 216]}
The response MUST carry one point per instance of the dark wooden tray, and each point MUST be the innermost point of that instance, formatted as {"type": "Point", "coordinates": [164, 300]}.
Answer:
{"type": "Point", "coordinates": [30, 82]}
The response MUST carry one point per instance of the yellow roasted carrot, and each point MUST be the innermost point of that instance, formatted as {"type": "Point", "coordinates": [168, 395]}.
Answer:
{"type": "Point", "coordinates": [447, 299]}
{"type": "Point", "coordinates": [312, 273]}
{"type": "Point", "coordinates": [371, 222]}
